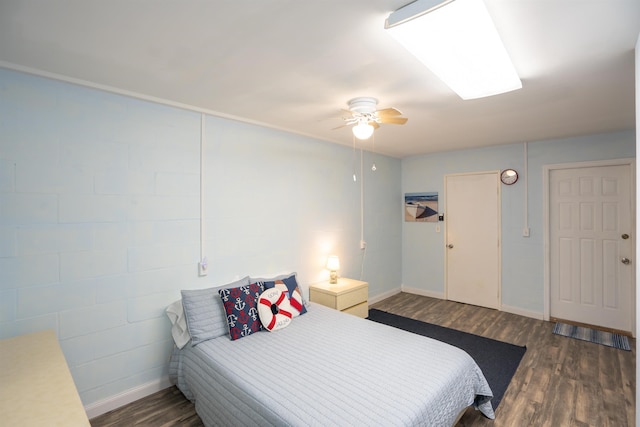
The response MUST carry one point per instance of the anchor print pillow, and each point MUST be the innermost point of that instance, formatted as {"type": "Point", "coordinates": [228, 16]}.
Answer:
{"type": "Point", "coordinates": [241, 308]}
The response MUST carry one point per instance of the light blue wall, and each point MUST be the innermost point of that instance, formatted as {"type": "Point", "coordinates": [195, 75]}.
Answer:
{"type": "Point", "coordinates": [100, 219]}
{"type": "Point", "coordinates": [522, 257]}
{"type": "Point", "coordinates": [283, 201]}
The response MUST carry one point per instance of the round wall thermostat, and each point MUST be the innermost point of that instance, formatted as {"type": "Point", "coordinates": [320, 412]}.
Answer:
{"type": "Point", "coordinates": [509, 176]}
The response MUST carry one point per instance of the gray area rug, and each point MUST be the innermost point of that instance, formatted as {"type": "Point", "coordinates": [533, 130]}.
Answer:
{"type": "Point", "coordinates": [498, 360]}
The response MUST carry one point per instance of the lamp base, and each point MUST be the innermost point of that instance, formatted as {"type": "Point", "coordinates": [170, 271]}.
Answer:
{"type": "Point", "coordinates": [333, 278]}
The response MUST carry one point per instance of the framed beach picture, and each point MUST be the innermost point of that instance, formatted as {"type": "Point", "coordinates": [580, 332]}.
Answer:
{"type": "Point", "coordinates": [421, 207]}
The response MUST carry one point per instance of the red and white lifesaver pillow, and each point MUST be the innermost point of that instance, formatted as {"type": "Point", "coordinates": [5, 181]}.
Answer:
{"type": "Point", "coordinates": [274, 309]}
{"type": "Point", "coordinates": [295, 299]}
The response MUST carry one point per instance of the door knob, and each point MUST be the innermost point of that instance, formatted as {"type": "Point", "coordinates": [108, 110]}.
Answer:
{"type": "Point", "coordinates": [450, 246]}
{"type": "Point", "coordinates": [625, 236]}
{"type": "Point", "coordinates": [625, 260]}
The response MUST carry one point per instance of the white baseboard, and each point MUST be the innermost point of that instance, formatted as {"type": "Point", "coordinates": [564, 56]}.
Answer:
{"type": "Point", "coordinates": [384, 295]}
{"type": "Point", "coordinates": [506, 308]}
{"type": "Point", "coordinates": [522, 312]}
{"type": "Point", "coordinates": [423, 292]}
{"type": "Point", "coordinates": [113, 402]}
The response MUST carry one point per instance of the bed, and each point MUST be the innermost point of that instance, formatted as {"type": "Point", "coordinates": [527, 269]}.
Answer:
{"type": "Point", "coordinates": [329, 368]}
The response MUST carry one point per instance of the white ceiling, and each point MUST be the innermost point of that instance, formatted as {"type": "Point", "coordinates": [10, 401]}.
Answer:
{"type": "Point", "coordinates": [293, 64]}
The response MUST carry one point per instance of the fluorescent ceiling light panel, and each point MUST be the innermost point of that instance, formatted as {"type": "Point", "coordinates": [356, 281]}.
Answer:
{"type": "Point", "coordinates": [458, 42]}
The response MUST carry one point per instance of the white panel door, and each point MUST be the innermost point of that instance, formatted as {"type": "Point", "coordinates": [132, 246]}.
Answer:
{"type": "Point", "coordinates": [472, 209]}
{"type": "Point", "coordinates": [590, 245]}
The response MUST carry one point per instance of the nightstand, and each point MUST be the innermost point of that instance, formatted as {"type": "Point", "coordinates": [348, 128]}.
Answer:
{"type": "Point", "coordinates": [348, 295]}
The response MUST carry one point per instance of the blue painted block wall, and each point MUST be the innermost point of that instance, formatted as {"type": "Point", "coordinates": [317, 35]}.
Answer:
{"type": "Point", "coordinates": [100, 219]}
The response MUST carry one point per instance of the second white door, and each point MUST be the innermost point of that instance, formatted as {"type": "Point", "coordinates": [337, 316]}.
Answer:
{"type": "Point", "coordinates": [472, 209]}
{"type": "Point", "coordinates": [590, 245]}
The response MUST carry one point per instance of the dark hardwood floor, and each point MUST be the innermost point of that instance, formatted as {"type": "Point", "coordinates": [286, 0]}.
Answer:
{"type": "Point", "coordinates": [560, 381]}
{"type": "Point", "coordinates": [165, 408]}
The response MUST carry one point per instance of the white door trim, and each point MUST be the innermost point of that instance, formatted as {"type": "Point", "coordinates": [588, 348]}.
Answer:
{"type": "Point", "coordinates": [546, 207]}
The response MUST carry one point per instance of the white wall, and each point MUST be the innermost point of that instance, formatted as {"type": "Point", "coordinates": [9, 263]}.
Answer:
{"type": "Point", "coordinates": [100, 220]}
{"type": "Point", "coordinates": [522, 257]}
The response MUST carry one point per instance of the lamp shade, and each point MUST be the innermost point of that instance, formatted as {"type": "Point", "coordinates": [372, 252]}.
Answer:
{"type": "Point", "coordinates": [333, 263]}
{"type": "Point", "coordinates": [362, 130]}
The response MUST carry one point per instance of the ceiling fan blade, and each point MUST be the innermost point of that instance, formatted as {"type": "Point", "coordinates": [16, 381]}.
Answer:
{"type": "Point", "coordinates": [368, 115]}
{"type": "Point", "coordinates": [388, 112]}
{"type": "Point", "coordinates": [394, 120]}
{"type": "Point", "coordinates": [343, 114]}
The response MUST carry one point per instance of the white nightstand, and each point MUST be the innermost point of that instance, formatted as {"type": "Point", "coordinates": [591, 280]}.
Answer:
{"type": "Point", "coordinates": [348, 295]}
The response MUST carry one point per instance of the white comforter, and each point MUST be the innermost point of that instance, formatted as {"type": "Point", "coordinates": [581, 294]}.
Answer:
{"type": "Point", "coordinates": [330, 368]}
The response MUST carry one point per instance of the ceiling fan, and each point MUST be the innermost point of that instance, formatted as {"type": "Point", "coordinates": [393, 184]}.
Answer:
{"type": "Point", "coordinates": [363, 114]}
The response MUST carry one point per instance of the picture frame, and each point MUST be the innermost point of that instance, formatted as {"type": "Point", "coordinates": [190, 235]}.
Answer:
{"type": "Point", "coordinates": [421, 207]}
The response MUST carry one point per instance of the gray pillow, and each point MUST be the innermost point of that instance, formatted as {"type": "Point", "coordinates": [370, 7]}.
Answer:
{"type": "Point", "coordinates": [203, 309]}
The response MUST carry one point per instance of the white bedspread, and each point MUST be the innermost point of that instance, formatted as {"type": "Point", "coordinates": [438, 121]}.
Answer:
{"type": "Point", "coordinates": [329, 368]}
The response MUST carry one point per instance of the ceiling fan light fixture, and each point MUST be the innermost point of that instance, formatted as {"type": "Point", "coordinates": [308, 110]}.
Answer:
{"type": "Point", "coordinates": [362, 130]}
{"type": "Point", "coordinates": [458, 41]}
{"type": "Point", "coordinates": [363, 104]}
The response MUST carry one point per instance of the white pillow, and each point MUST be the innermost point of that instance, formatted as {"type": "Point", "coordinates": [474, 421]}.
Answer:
{"type": "Point", "coordinates": [179, 331]}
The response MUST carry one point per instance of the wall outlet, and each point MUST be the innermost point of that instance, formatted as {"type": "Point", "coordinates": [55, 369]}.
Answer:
{"type": "Point", "coordinates": [203, 267]}
{"type": "Point", "coordinates": [525, 232]}
{"type": "Point", "coordinates": [363, 244]}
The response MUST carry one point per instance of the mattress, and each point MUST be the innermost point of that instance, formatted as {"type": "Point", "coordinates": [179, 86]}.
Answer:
{"type": "Point", "coordinates": [330, 368]}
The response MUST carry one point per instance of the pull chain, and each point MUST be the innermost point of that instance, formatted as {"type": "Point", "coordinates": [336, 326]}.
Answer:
{"type": "Point", "coordinates": [373, 168]}
{"type": "Point", "coordinates": [353, 158]}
